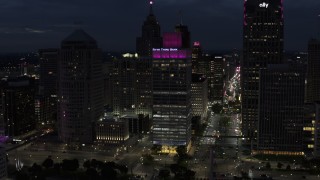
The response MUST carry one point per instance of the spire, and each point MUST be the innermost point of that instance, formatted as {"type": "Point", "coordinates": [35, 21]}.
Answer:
{"type": "Point", "coordinates": [151, 10]}
{"type": "Point", "coordinates": [180, 16]}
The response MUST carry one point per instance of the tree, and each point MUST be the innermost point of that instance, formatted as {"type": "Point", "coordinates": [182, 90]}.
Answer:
{"type": "Point", "coordinates": [279, 165]}
{"type": "Point", "coordinates": [21, 175]}
{"type": "Point", "coordinates": [288, 167]}
{"type": "Point", "coordinates": [164, 173]}
{"type": "Point", "coordinates": [57, 167]}
{"type": "Point", "coordinates": [123, 169]}
{"type": "Point", "coordinates": [175, 168]}
{"type": "Point", "coordinates": [244, 175]}
{"type": "Point", "coordinates": [268, 165]}
{"type": "Point", "coordinates": [48, 163]}
{"type": "Point", "coordinates": [108, 173]}
{"type": "Point", "coordinates": [70, 165]}
{"type": "Point", "coordinates": [94, 163]}
{"type": "Point", "coordinates": [217, 108]}
{"type": "Point", "coordinates": [87, 164]}
{"type": "Point", "coordinates": [190, 174]}
{"type": "Point", "coordinates": [92, 173]}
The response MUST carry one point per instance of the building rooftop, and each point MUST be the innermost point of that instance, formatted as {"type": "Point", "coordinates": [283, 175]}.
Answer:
{"type": "Point", "coordinates": [79, 35]}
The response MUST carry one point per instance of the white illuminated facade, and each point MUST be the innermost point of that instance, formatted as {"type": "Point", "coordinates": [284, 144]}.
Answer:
{"type": "Point", "coordinates": [112, 131]}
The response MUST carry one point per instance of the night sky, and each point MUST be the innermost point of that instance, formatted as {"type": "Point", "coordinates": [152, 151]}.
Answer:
{"type": "Point", "coordinates": [27, 25]}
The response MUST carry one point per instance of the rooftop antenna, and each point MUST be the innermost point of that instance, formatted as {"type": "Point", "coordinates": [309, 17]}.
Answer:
{"type": "Point", "coordinates": [318, 34]}
{"type": "Point", "coordinates": [151, 9]}
{"type": "Point", "coordinates": [180, 16]}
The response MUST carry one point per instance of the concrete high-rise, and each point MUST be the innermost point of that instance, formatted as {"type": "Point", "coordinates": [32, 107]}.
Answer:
{"type": "Point", "coordinates": [185, 34]}
{"type": "Point", "coordinates": [172, 111]}
{"type": "Point", "coordinates": [47, 100]}
{"type": "Point", "coordinates": [80, 87]}
{"type": "Point", "coordinates": [281, 110]}
{"type": "Point", "coordinates": [151, 38]}
{"type": "Point", "coordinates": [124, 86]}
{"type": "Point", "coordinates": [196, 57]}
{"type": "Point", "coordinates": [18, 105]}
{"type": "Point", "coordinates": [151, 35]}
{"type": "Point", "coordinates": [199, 96]}
{"type": "Point", "coordinates": [313, 72]}
{"type": "Point", "coordinates": [262, 45]}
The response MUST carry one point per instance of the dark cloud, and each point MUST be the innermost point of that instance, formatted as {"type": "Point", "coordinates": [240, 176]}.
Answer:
{"type": "Point", "coordinates": [31, 24]}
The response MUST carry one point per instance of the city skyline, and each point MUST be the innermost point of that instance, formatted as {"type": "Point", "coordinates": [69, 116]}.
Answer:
{"type": "Point", "coordinates": [206, 20]}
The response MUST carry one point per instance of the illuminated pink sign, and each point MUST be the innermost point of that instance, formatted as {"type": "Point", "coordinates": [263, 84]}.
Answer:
{"type": "Point", "coordinates": [197, 43]}
{"type": "Point", "coordinates": [170, 53]}
{"type": "Point", "coordinates": [172, 40]}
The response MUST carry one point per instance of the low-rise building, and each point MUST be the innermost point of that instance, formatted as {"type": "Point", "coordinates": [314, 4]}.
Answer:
{"type": "Point", "coordinates": [111, 130]}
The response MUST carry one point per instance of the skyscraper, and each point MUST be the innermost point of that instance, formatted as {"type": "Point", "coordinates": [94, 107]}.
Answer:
{"type": "Point", "coordinates": [199, 96]}
{"type": "Point", "coordinates": [47, 99]}
{"type": "Point", "coordinates": [216, 75]}
{"type": "Point", "coordinates": [281, 110]}
{"type": "Point", "coordinates": [313, 72]}
{"type": "Point", "coordinates": [151, 35]}
{"type": "Point", "coordinates": [262, 45]}
{"type": "Point", "coordinates": [124, 86]}
{"type": "Point", "coordinates": [18, 106]}
{"type": "Point", "coordinates": [151, 38]}
{"type": "Point", "coordinates": [80, 87]}
{"type": "Point", "coordinates": [172, 94]}
{"type": "Point", "coordinates": [196, 57]}
{"type": "Point", "coordinates": [185, 34]}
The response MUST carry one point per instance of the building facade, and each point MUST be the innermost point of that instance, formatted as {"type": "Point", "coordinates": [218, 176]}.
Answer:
{"type": "Point", "coordinates": [313, 73]}
{"type": "Point", "coordinates": [281, 110]}
{"type": "Point", "coordinates": [111, 131]}
{"type": "Point", "coordinates": [262, 45]}
{"type": "Point", "coordinates": [18, 105]}
{"type": "Point", "coordinates": [199, 96]}
{"type": "Point", "coordinates": [80, 88]}
{"type": "Point", "coordinates": [151, 35]}
{"type": "Point", "coordinates": [47, 99]}
{"type": "Point", "coordinates": [124, 86]}
{"type": "Point", "coordinates": [172, 110]}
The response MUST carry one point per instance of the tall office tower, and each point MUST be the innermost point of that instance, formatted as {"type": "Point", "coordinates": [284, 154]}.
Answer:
{"type": "Point", "coordinates": [196, 57]}
{"type": "Point", "coordinates": [108, 83]}
{"type": "Point", "coordinates": [151, 38]}
{"type": "Point", "coordinates": [18, 106]}
{"type": "Point", "coordinates": [281, 110]}
{"type": "Point", "coordinates": [151, 35]}
{"type": "Point", "coordinates": [144, 86]}
{"type": "Point", "coordinates": [311, 129]}
{"type": "Point", "coordinates": [124, 86]}
{"type": "Point", "coordinates": [47, 100]}
{"type": "Point", "coordinates": [199, 96]}
{"type": "Point", "coordinates": [215, 78]}
{"type": "Point", "coordinates": [80, 87]}
{"type": "Point", "coordinates": [186, 37]}
{"type": "Point", "coordinates": [316, 129]}
{"type": "Point", "coordinates": [262, 45]}
{"type": "Point", "coordinates": [313, 72]}
{"type": "Point", "coordinates": [172, 94]}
